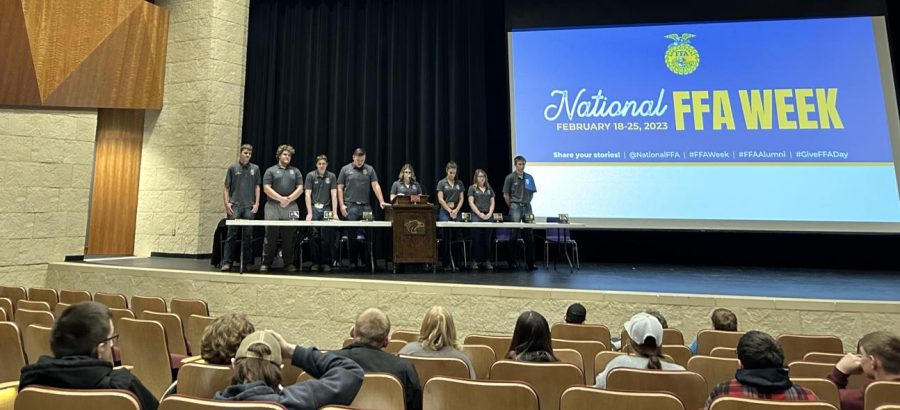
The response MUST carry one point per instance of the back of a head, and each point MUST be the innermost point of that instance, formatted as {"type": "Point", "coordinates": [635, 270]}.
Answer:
{"type": "Point", "coordinates": [438, 329]}
{"type": "Point", "coordinates": [222, 337]}
{"type": "Point", "coordinates": [886, 347]}
{"type": "Point", "coordinates": [79, 329]}
{"type": "Point", "coordinates": [372, 328]}
{"type": "Point", "coordinates": [662, 320]}
{"type": "Point", "coordinates": [759, 350]}
{"type": "Point", "coordinates": [724, 319]}
{"type": "Point", "coordinates": [576, 314]}
{"type": "Point", "coordinates": [532, 334]}
{"type": "Point", "coordinates": [646, 334]}
{"type": "Point", "coordinates": [258, 358]}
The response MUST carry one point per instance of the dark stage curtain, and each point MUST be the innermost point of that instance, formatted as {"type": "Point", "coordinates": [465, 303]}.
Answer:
{"type": "Point", "coordinates": [403, 79]}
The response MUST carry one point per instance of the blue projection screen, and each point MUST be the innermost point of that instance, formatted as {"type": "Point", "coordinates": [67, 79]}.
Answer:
{"type": "Point", "coordinates": [759, 125]}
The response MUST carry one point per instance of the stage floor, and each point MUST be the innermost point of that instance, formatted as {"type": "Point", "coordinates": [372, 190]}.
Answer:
{"type": "Point", "coordinates": [699, 280]}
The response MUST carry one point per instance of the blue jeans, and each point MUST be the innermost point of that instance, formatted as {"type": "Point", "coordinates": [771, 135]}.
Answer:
{"type": "Point", "coordinates": [321, 241]}
{"type": "Point", "coordinates": [517, 213]}
{"type": "Point", "coordinates": [354, 213]}
{"type": "Point", "coordinates": [240, 212]}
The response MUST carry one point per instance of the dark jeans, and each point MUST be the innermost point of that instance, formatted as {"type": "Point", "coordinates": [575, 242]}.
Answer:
{"type": "Point", "coordinates": [447, 235]}
{"type": "Point", "coordinates": [285, 234]}
{"type": "Point", "coordinates": [354, 213]}
{"type": "Point", "coordinates": [321, 241]}
{"type": "Point", "coordinates": [517, 213]}
{"type": "Point", "coordinates": [240, 212]}
{"type": "Point", "coordinates": [481, 241]}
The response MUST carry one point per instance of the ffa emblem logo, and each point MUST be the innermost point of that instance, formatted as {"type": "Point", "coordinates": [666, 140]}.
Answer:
{"type": "Point", "coordinates": [681, 57]}
{"type": "Point", "coordinates": [252, 171]}
{"type": "Point", "coordinates": [415, 227]}
{"type": "Point", "coordinates": [327, 180]}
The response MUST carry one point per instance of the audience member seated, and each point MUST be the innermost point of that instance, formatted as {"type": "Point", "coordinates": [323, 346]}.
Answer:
{"type": "Point", "coordinates": [531, 339]}
{"type": "Point", "coordinates": [762, 375]}
{"type": "Point", "coordinates": [257, 374]}
{"type": "Point", "coordinates": [437, 338]}
{"type": "Point", "coordinates": [222, 337]}
{"type": "Point", "coordinates": [82, 339]}
{"type": "Point", "coordinates": [722, 319]}
{"type": "Point", "coordinates": [662, 320]}
{"type": "Point", "coordinates": [370, 335]}
{"type": "Point", "coordinates": [576, 314]}
{"type": "Point", "coordinates": [877, 357]}
{"type": "Point", "coordinates": [646, 334]}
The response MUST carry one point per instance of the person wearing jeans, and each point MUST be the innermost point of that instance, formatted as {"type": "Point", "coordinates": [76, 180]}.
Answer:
{"type": "Point", "coordinates": [518, 189]}
{"type": "Point", "coordinates": [355, 181]}
{"type": "Point", "coordinates": [242, 182]}
{"type": "Point", "coordinates": [321, 195]}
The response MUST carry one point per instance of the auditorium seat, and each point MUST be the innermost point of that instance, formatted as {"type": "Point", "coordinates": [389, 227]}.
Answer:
{"type": "Point", "coordinates": [3, 317]}
{"type": "Point", "coordinates": [708, 339]}
{"type": "Point", "coordinates": [379, 391]}
{"type": "Point", "coordinates": [824, 389]}
{"type": "Point", "coordinates": [12, 353]}
{"type": "Point", "coordinates": [7, 305]}
{"type": "Point", "coordinates": [882, 393]}
{"type": "Point", "coordinates": [482, 358]}
{"type": "Point", "coordinates": [500, 344]}
{"type": "Point", "coordinates": [569, 331]}
{"type": "Point", "coordinates": [142, 344]}
{"type": "Point", "coordinates": [408, 336]}
{"type": "Point", "coordinates": [74, 296]}
{"type": "Point", "coordinates": [589, 398]}
{"type": "Point", "coordinates": [111, 300]}
{"type": "Point", "coordinates": [588, 350]}
{"type": "Point", "coordinates": [689, 387]}
{"type": "Point", "coordinates": [819, 357]}
{"type": "Point", "coordinates": [13, 293]}
{"type": "Point", "coordinates": [120, 313]}
{"type": "Point", "coordinates": [152, 303]}
{"type": "Point", "coordinates": [724, 352]}
{"type": "Point", "coordinates": [39, 397]}
{"type": "Point", "coordinates": [60, 307]}
{"type": "Point", "coordinates": [34, 305]}
{"type": "Point", "coordinates": [204, 380]}
{"type": "Point", "coordinates": [549, 380]}
{"type": "Point", "coordinates": [174, 331]}
{"type": "Point", "coordinates": [797, 346]}
{"type": "Point", "coordinates": [184, 308]}
{"type": "Point", "coordinates": [394, 346]}
{"type": "Point", "coordinates": [26, 317]}
{"type": "Point", "coordinates": [680, 354]}
{"type": "Point", "coordinates": [570, 356]}
{"type": "Point", "coordinates": [36, 340]}
{"type": "Point", "coordinates": [179, 402]}
{"type": "Point", "coordinates": [736, 403]}
{"type": "Point", "coordinates": [193, 331]}
{"type": "Point", "coordinates": [442, 393]}
{"type": "Point", "coordinates": [48, 295]}
{"type": "Point", "coordinates": [428, 367]}
{"type": "Point", "coordinates": [822, 370]}
{"type": "Point", "coordinates": [714, 370]}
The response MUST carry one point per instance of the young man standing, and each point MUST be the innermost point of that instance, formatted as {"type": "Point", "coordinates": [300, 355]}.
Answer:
{"type": "Point", "coordinates": [355, 181]}
{"type": "Point", "coordinates": [283, 184]}
{"type": "Point", "coordinates": [518, 189]}
{"type": "Point", "coordinates": [241, 202]}
{"type": "Point", "coordinates": [321, 195]}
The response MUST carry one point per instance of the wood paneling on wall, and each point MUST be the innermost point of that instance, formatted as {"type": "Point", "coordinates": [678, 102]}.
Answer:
{"type": "Point", "coordinates": [117, 166]}
{"type": "Point", "coordinates": [83, 53]}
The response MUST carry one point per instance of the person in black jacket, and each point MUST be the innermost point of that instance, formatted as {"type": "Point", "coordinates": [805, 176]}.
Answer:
{"type": "Point", "coordinates": [82, 339]}
{"type": "Point", "coordinates": [257, 374]}
{"type": "Point", "coordinates": [370, 335]}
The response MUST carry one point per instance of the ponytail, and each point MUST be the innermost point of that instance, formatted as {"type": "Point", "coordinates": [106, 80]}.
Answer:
{"type": "Point", "coordinates": [651, 351]}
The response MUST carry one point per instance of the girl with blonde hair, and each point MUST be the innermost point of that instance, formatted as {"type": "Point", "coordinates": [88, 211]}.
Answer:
{"type": "Point", "coordinates": [437, 338]}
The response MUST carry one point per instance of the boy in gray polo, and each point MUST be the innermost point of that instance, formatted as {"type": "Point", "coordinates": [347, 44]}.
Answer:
{"type": "Point", "coordinates": [321, 195]}
{"type": "Point", "coordinates": [283, 184]}
{"type": "Point", "coordinates": [355, 181]}
{"type": "Point", "coordinates": [518, 188]}
{"type": "Point", "coordinates": [242, 182]}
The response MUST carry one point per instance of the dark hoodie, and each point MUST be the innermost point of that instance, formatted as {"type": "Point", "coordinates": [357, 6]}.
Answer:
{"type": "Point", "coordinates": [766, 384]}
{"type": "Point", "coordinates": [83, 372]}
{"type": "Point", "coordinates": [337, 380]}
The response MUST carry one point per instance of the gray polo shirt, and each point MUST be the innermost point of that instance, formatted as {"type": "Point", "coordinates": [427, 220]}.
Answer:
{"type": "Point", "coordinates": [242, 182]}
{"type": "Point", "coordinates": [283, 180]}
{"type": "Point", "coordinates": [357, 182]}
{"type": "Point", "coordinates": [318, 187]}
{"type": "Point", "coordinates": [451, 191]}
{"type": "Point", "coordinates": [514, 185]}
{"type": "Point", "coordinates": [398, 188]}
{"type": "Point", "coordinates": [482, 198]}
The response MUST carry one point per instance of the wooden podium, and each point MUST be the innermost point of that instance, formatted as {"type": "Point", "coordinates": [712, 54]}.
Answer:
{"type": "Point", "coordinates": [413, 225]}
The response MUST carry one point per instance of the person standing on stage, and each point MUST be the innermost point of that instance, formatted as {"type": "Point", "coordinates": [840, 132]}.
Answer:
{"type": "Point", "coordinates": [355, 182]}
{"type": "Point", "coordinates": [481, 202]}
{"type": "Point", "coordinates": [518, 189]}
{"type": "Point", "coordinates": [321, 195]}
{"type": "Point", "coordinates": [242, 182]}
{"type": "Point", "coordinates": [283, 184]}
{"type": "Point", "coordinates": [450, 196]}
{"type": "Point", "coordinates": [406, 184]}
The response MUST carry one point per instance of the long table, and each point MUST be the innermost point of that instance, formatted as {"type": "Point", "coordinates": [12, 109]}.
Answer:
{"type": "Point", "coordinates": [387, 224]}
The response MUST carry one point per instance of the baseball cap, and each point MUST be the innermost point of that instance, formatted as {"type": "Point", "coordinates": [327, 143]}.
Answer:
{"type": "Point", "coordinates": [644, 325]}
{"type": "Point", "coordinates": [576, 313]}
{"type": "Point", "coordinates": [260, 337]}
